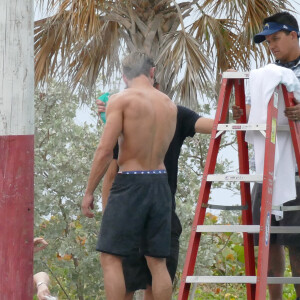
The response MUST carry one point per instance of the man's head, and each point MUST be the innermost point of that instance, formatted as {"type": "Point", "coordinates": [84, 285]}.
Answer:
{"type": "Point", "coordinates": [282, 21]}
{"type": "Point", "coordinates": [136, 64]}
{"type": "Point", "coordinates": [281, 31]}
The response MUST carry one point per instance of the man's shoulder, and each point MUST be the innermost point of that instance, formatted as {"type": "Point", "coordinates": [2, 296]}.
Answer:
{"type": "Point", "coordinates": [119, 99]}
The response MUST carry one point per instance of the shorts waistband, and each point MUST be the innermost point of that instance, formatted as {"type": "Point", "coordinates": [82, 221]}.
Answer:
{"type": "Point", "coordinates": [144, 172]}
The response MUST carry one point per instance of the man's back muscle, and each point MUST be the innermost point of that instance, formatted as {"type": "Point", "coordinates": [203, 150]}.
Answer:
{"type": "Point", "coordinates": [149, 120]}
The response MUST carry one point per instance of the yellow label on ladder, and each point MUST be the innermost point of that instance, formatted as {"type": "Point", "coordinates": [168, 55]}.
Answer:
{"type": "Point", "coordinates": [273, 134]}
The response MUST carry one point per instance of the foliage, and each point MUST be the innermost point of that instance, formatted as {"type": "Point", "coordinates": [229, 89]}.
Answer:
{"type": "Point", "coordinates": [192, 41]}
{"type": "Point", "coordinates": [63, 154]}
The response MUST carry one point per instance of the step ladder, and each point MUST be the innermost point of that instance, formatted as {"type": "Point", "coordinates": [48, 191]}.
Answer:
{"type": "Point", "coordinates": [256, 284]}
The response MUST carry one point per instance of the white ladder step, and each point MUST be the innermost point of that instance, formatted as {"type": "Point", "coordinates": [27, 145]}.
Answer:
{"type": "Point", "coordinates": [240, 127]}
{"type": "Point", "coordinates": [240, 279]}
{"type": "Point", "coordinates": [246, 228]}
{"type": "Point", "coordinates": [235, 75]}
{"type": "Point", "coordinates": [246, 126]}
{"type": "Point", "coordinates": [235, 177]}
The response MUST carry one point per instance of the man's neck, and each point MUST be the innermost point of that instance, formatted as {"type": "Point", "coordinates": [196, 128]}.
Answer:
{"type": "Point", "coordinates": [290, 63]}
{"type": "Point", "coordinates": [140, 81]}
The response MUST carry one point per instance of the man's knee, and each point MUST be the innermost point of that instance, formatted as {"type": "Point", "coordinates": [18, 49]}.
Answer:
{"type": "Point", "coordinates": [155, 262]}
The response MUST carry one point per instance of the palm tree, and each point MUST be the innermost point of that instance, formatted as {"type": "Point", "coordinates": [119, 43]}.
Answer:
{"type": "Point", "coordinates": [83, 39]}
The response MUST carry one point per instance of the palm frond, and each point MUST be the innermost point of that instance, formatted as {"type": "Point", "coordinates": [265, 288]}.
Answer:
{"type": "Point", "coordinates": [84, 38]}
{"type": "Point", "coordinates": [74, 44]}
{"type": "Point", "coordinates": [180, 51]}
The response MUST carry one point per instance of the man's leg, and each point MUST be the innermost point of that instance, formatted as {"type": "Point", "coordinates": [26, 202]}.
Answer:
{"type": "Point", "coordinates": [276, 269]}
{"type": "Point", "coordinates": [161, 280]}
{"type": "Point", "coordinates": [148, 295]}
{"type": "Point", "coordinates": [294, 253]}
{"type": "Point", "coordinates": [129, 296]}
{"type": "Point", "coordinates": [114, 283]}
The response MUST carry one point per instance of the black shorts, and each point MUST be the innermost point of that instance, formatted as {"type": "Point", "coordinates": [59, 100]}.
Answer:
{"type": "Point", "coordinates": [290, 218]}
{"type": "Point", "coordinates": [137, 216]}
{"type": "Point", "coordinates": [136, 272]}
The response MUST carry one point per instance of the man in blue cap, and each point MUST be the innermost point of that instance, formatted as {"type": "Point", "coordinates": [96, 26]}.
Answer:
{"type": "Point", "coordinates": [281, 33]}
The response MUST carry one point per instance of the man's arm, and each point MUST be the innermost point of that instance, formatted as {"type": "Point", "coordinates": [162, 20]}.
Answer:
{"type": "Point", "coordinates": [204, 125]}
{"type": "Point", "coordinates": [104, 152]}
{"type": "Point", "coordinates": [41, 283]}
{"type": "Point", "coordinates": [108, 180]}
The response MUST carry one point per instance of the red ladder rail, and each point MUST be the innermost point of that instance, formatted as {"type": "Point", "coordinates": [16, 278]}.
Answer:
{"type": "Point", "coordinates": [294, 126]}
{"type": "Point", "coordinates": [266, 201]}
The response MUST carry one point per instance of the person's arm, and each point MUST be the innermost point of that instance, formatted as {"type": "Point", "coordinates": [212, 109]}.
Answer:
{"type": "Point", "coordinates": [108, 180]}
{"type": "Point", "coordinates": [41, 283]}
{"type": "Point", "coordinates": [104, 152]}
{"type": "Point", "coordinates": [100, 106]}
{"type": "Point", "coordinates": [204, 125]}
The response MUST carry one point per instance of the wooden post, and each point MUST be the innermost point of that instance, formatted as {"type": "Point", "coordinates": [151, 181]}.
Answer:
{"type": "Point", "coordinates": [16, 149]}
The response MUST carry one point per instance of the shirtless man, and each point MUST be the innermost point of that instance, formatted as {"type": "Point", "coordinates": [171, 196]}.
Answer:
{"type": "Point", "coordinates": [138, 213]}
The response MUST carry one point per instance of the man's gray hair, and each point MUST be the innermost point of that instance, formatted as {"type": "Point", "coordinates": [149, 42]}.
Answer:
{"type": "Point", "coordinates": [136, 64]}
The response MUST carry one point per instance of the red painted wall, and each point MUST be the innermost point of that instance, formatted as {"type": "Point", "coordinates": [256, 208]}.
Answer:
{"type": "Point", "coordinates": [16, 216]}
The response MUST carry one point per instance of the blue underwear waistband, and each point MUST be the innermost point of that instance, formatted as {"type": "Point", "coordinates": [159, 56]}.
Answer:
{"type": "Point", "coordinates": [144, 172]}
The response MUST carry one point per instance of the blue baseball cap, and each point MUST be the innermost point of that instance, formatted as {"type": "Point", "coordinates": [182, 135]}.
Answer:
{"type": "Point", "coordinates": [270, 28]}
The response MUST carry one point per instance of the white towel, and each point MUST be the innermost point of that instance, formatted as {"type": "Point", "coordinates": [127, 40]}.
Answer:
{"type": "Point", "coordinates": [262, 83]}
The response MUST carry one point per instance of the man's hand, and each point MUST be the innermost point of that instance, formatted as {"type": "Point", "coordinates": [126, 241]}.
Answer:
{"type": "Point", "coordinates": [87, 205]}
{"type": "Point", "coordinates": [42, 291]}
{"type": "Point", "coordinates": [237, 112]}
{"type": "Point", "coordinates": [293, 113]}
{"type": "Point", "coordinates": [100, 106]}
{"type": "Point", "coordinates": [39, 244]}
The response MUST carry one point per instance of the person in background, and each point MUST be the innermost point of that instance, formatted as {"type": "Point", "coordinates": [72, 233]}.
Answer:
{"type": "Point", "coordinates": [41, 280]}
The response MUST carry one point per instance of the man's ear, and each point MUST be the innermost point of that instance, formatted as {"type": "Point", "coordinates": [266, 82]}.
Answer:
{"type": "Point", "coordinates": [294, 34]}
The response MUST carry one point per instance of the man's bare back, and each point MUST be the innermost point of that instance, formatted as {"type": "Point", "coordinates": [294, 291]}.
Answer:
{"type": "Point", "coordinates": [148, 126]}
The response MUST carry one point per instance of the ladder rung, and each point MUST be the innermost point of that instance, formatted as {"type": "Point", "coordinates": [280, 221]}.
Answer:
{"type": "Point", "coordinates": [225, 207]}
{"type": "Point", "coordinates": [246, 126]}
{"type": "Point", "coordinates": [239, 127]}
{"type": "Point", "coordinates": [246, 228]}
{"type": "Point", "coordinates": [286, 208]}
{"type": "Point", "coordinates": [240, 279]}
{"type": "Point", "coordinates": [235, 177]}
{"type": "Point", "coordinates": [235, 75]}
